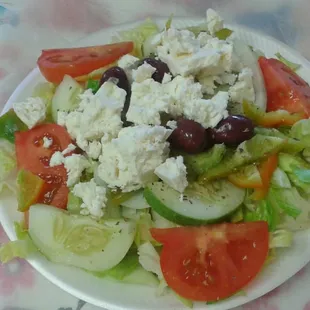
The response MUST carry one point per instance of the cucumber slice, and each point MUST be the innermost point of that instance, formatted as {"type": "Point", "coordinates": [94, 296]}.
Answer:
{"type": "Point", "coordinates": [66, 96]}
{"type": "Point", "coordinates": [201, 204]}
{"type": "Point", "coordinates": [137, 201]}
{"type": "Point", "coordinates": [78, 240]}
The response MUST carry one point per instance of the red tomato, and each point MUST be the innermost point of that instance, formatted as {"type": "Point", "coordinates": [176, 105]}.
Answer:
{"type": "Point", "coordinates": [213, 262]}
{"type": "Point", "coordinates": [30, 153]}
{"type": "Point", "coordinates": [32, 156]}
{"type": "Point", "coordinates": [54, 64]}
{"type": "Point", "coordinates": [266, 170]}
{"type": "Point", "coordinates": [285, 89]}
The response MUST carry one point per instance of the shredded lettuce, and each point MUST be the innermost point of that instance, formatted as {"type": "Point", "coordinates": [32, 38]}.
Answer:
{"type": "Point", "coordinates": [263, 211]}
{"type": "Point", "coordinates": [224, 33]}
{"type": "Point", "coordinates": [46, 92]}
{"type": "Point", "coordinates": [288, 63]}
{"type": "Point", "coordinates": [303, 175]}
{"type": "Point", "coordinates": [280, 179]}
{"type": "Point", "coordinates": [7, 166]}
{"type": "Point", "coordinates": [199, 28]}
{"type": "Point", "coordinates": [280, 239]}
{"type": "Point", "coordinates": [160, 222]}
{"type": "Point", "coordinates": [281, 201]}
{"type": "Point", "coordinates": [295, 208]}
{"type": "Point", "coordinates": [143, 229]}
{"type": "Point", "coordinates": [21, 248]}
{"type": "Point", "coordinates": [169, 22]}
{"type": "Point", "coordinates": [138, 35]}
{"type": "Point", "coordinates": [149, 259]}
{"type": "Point", "coordinates": [128, 265]}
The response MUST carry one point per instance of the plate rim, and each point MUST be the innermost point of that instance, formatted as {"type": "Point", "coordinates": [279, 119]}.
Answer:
{"type": "Point", "coordinates": [37, 264]}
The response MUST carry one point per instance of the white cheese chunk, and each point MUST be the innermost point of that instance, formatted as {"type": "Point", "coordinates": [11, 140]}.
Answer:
{"type": "Point", "coordinates": [208, 112]}
{"type": "Point", "coordinates": [93, 149]}
{"type": "Point", "coordinates": [129, 161]}
{"type": "Point", "coordinates": [96, 115]}
{"type": "Point", "coordinates": [173, 173]}
{"type": "Point", "coordinates": [243, 89]}
{"type": "Point", "coordinates": [148, 100]}
{"type": "Point", "coordinates": [127, 63]}
{"type": "Point", "coordinates": [172, 124]}
{"type": "Point", "coordinates": [214, 22]}
{"type": "Point", "coordinates": [31, 112]}
{"type": "Point", "coordinates": [143, 73]}
{"type": "Point", "coordinates": [70, 148]}
{"type": "Point", "coordinates": [47, 142]}
{"type": "Point", "coordinates": [56, 159]}
{"type": "Point", "coordinates": [183, 91]}
{"type": "Point", "coordinates": [74, 164]}
{"type": "Point", "coordinates": [93, 196]}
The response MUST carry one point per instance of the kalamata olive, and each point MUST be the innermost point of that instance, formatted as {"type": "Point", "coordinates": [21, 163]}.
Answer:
{"type": "Point", "coordinates": [190, 137]}
{"type": "Point", "coordinates": [160, 66]}
{"type": "Point", "coordinates": [118, 74]}
{"type": "Point", "coordinates": [233, 130]}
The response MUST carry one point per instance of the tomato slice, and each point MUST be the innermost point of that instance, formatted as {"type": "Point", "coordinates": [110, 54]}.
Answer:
{"type": "Point", "coordinates": [213, 262]}
{"type": "Point", "coordinates": [33, 157]}
{"type": "Point", "coordinates": [266, 170]}
{"type": "Point", "coordinates": [285, 89]}
{"type": "Point", "coordinates": [54, 64]}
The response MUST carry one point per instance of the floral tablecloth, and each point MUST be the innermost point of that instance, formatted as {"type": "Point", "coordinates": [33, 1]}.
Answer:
{"type": "Point", "coordinates": [27, 26]}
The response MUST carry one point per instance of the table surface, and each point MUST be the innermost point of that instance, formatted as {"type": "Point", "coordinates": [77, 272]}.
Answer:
{"type": "Point", "coordinates": [27, 26]}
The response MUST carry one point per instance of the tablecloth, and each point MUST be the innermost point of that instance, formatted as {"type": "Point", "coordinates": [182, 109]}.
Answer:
{"type": "Point", "coordinates": [27, 26]}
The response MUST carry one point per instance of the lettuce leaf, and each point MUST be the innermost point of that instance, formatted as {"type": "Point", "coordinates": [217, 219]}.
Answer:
{"type": "Point", "coordinates": [7, 166]}
{"type": "Point", "coordinates": [280, 239]}
{"type": "Point", "coordinates": [21, 248]}
{"type": "Point", "coordinates": [263, 211]}
{"type": "Point", "coordinates": [288, 63]}
{"type": "Point", "coordinates": [138, 35]}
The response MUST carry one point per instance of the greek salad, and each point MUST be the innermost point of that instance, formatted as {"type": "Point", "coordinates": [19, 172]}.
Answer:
{"type": "Point", "coordinates": [175, 158]}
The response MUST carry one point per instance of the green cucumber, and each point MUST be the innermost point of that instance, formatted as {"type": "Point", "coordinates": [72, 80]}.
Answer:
{"type": "Point", "coordinates": [78, 240]}
{"type": "Point", "coordinates": [66, 97]}
{"type": "Point", "coordinates": [201, 204]}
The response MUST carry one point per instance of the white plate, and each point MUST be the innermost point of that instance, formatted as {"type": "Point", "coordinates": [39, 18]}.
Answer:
{"type": "Point", "coordinates": [116, 296]}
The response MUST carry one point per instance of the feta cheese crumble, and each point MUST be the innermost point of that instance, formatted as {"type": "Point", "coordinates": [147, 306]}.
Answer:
{"type": "Point", "coordinates": [31, 112]}
{"type": "Point", "coordinates": [148, 100]}
{"type": "Point", "coordinates": [186, 55]}
{"type": "Point", "coordinates": [173, 173]}
{"type": "Point", "coordinates": [172, 124]}
{"type": "Point", "coordinates": [143, 73]}
{"type": "Point", "coordinates": [70, 148]}
{"type": "Point", "coordinates": [97, 114]}
{"type": "Point", "coordinates": [243, 89]}
{"type": "Point", "coordinates": [93, 196]}
{"type": "Point", "coordinates": [129, 161]}
{"type": "Point", "coordinates": [74, 164]}
{"type": "Point", "coordinates": [47, 142]}
{"type": "Point", "coordinates": [214, 22]}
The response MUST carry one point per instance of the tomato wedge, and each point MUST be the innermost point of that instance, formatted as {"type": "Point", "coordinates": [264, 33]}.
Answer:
{"type": "Point", "coordinates": [54, 64]}
{"type": "Point", "coordinates": [33, 157]}
{"type": "Point", "coordinates": [285, 89]}
{"type": "Point", "coordinates": [213, 262]}
{"type": "Point", "coordinates": [266, 170]}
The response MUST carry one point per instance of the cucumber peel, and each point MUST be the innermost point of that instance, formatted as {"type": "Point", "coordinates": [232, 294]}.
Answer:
{"type": "Point", "coordinates": [201, 204]}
